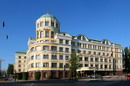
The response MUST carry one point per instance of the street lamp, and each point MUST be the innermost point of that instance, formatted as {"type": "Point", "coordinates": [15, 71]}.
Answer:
{"type": "Point", "coordinates": [64, 70]}
{"type": "Point", "coordinates": [94, 72]}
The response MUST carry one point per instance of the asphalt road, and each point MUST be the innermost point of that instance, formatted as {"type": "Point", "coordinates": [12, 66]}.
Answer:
{"type": "Point", "coordinates": [67, 83]}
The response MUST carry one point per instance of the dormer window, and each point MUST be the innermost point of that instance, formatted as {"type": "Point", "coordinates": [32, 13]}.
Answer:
{"type": "Point", "coordinates": [79, 37]}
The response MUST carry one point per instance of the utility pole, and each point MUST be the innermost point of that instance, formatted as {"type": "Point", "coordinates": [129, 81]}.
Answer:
{"type": "Point", "coordinates": [1, 65]}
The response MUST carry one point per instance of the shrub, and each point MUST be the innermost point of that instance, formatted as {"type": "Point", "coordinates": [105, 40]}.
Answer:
{"type": "Point", "coordinates": [24, 75]}
{"type": "Point", "coordinates": [37, 75]}
{"type": "Point", "coordinates": [19, 76]}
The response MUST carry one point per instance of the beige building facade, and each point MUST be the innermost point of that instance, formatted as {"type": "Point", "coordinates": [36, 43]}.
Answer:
{"type": "Point", "coordinates": [50, 52]}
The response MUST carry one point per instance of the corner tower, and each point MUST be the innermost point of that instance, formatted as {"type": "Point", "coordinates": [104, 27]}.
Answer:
{"type": "Point", "coordinates": [46, 27]}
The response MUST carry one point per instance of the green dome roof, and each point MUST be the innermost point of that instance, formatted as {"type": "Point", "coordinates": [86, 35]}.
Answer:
{"type": "Point", "coordinates": [47, 15]}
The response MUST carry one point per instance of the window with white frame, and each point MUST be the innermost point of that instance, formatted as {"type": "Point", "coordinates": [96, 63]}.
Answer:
{"type": "Point", "coordinates": [46, 64]}
{"type": "Point", "coordinates": [38, 64]}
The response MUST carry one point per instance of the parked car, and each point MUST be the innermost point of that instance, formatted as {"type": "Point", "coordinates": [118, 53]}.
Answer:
{"type": "Point", "coordinates": [128, 76]}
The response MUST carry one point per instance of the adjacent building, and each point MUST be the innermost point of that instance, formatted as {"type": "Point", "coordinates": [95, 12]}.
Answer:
{"type": "Point", "coordinates": [50, 52]}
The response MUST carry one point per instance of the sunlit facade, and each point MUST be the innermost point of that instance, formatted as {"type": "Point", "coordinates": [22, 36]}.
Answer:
{"type": "Point", "coordinates": [50, 52]}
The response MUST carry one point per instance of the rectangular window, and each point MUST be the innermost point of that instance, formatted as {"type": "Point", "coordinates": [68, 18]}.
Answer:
{"type": "Point", "coordinates": [101, 60]}
{"type": "Point", "coordinates": [92, 59]}
{"type": "Point", "coordinates": [61, 57]}
{"type": "Point", "coordinates": [96, 66]}
{"type": "Point", "coordinates": [32, 57]}
{"type": "Point", "coordinates": [94, 53]}
{"type": "Point", "coordinates": [54, 65]}
{"type": "Point", "coordinates": [105, 66]}
{"type": "Point", "coordinates": [45, 56]}
{"type": "Point", "coordinates": [52, 23]}
{"type": "Point", "coordinates": [66, 65]}
{"type": "Point", "coordinates": [45, 47]}
{"type": "Point", "coordinates": [37, 25]}
{"type": "Point", "coordinates": [89, 52]}
{"type": "Point", "coordinates": [67, 42]}
{"type": "Point", "coordinates": [86, 65]}
{"type": "Point", "coordinates": [105, 60]}
{"type": "Point", "coordinates": [19, 57]}
{"type": "Point", "coordinates": [79, 51]}
{"type": "Point", "coordinates": [96, 59]}
{"type": "Point", "coordinates": [73, 50]}
{"type": "Point", "coordinates": [46, 23]}
{"type": "Point", "coordinates": [37, 56]}
{"type": "Point", "coordinates": [61, 49]}
{"type": "Point", "coordinates": [66, 49]}
{"type": "Point", "coordinates": [38, 48]}
{"type": "Point", "coordinates": [46, 33]}
{"type": "Point", "coordinates": [45, 64]}
{"type": "Point", "coordinates": [32, 65]}
{"type": "Point", "coordinates": [86, 58]}
{"type": "Point", "coordinates": [73, 44]}
{"type": "Point", "coordinates": [91, 65]}
{"type": "Point", "coordinates": [61, 65]}
{"type": "Point", "coordinates": [61, 41]}
{"type": "Point", "coordinates": [52, 34]}
{"type": "Point", "coordinates": [37, 64]}
{"type": "Point", "coordinates": [80, 58]}
{"type": "Point", "coordinates": [66, 57]}
{"type": "Point", "coordinates": [19, 61]}
{"type": "Point", "coordinates": [56, 25]}
{"type": "Point", "coordinates": [101, 66]}
{"type": "Point", "coordinates": [53, 48]}
{"type": "Point", "coordinates": [54, 57]}
{"type": "Point", "coordinates": [80, 65]}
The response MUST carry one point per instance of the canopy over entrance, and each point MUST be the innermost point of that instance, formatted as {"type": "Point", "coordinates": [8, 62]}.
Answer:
{"type": "Point", "coordinates": [86, 69]}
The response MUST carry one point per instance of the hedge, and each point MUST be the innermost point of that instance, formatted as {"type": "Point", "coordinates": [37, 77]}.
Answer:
{"type": "Point", "coordinates": [37, 75]}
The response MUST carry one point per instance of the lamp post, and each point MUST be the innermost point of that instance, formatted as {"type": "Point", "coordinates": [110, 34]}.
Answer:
{"type": "Point", "coordinates": [94, 72]}
{"type": "Point", "coordinates": [64, 70]}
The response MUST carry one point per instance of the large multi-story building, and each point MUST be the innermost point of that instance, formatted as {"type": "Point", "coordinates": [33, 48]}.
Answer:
{"type": "Point", "coordinates": [50, 52]}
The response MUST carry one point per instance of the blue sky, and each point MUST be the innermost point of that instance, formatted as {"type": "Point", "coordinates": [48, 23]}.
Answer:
{"type": "Point", "coordinates": [97, 19]}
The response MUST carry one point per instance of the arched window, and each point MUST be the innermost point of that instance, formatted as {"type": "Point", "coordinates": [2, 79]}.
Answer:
{"type": "Point", "coordinates": [32, 49]}
{"type": "Point", "coordinates": [79, 37]}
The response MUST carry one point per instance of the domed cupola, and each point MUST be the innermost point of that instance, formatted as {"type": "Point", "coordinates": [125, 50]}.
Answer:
{"type": "Point", "coordinates": [46, 26]}
{"type": "Point", "coordinates": [47, 15]}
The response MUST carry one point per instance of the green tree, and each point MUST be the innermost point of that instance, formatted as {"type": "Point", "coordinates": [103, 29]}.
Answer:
{"type": "Point", "coordinates": [126, 55]}
{"type": "Point", "coordinates": [37, 75]}
{"type": "Point", "coordinates": [25, 75]}
{"type": "Point", "coordinates": [10, 69]}
{"type": "Point", "coordinates": [74, 64]}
